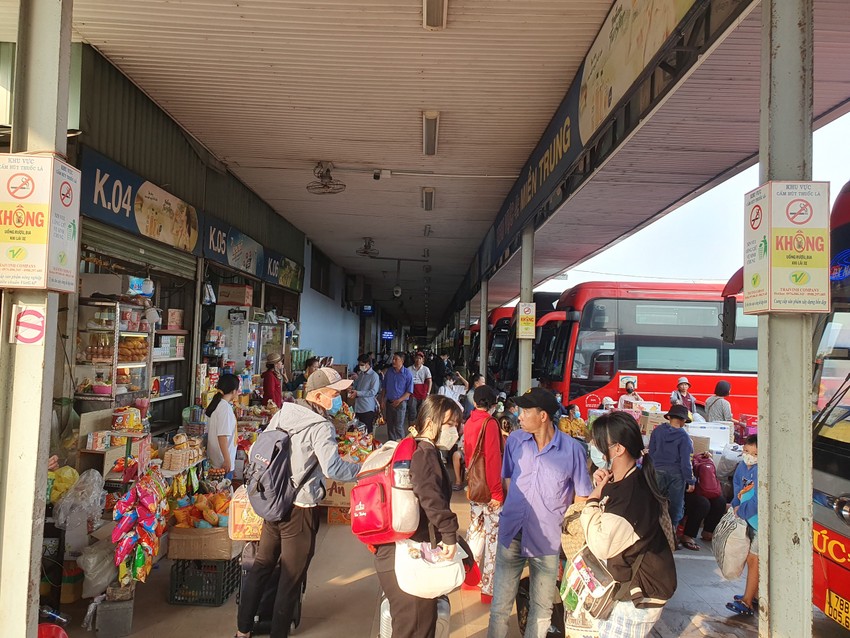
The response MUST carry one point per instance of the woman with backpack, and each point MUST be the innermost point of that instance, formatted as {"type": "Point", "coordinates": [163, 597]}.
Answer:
{"type": "Point", "coordinates": [705, 506]}
{"type": "Point", "coordinates": [624, 523]}
{"type": "Point", "coordinates": [290, 539]}
{"type": "Point", "coordinates": [483, 444]}
{"type": "Point", "coordinates": [436, 427]}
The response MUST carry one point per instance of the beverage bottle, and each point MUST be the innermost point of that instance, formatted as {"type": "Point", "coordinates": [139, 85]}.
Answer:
{"type": "Point", "coordinates": [401, 474]}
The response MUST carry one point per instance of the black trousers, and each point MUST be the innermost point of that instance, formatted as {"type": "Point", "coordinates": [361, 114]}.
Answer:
{"type": "Point", "coordinates": [368, 419]}
{"type": "Point", "coordinates": [292, 542]}
{"type": "Point", "coordinates": [413, 617]}
{"type": "Point", "coordinates": [702, 512]}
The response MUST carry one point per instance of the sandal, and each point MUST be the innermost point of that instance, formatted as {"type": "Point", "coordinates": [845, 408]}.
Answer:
{"type": "Point", "coordinates": [739, 598]}
{"type": "Point", "coordinates": [739, 608]}
{"type": "Point", "coordinates": [691, 545]}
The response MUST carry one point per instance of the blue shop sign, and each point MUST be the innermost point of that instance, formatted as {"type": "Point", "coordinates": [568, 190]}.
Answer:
{"type": "Point", "coordinates": [118, 197]}
{"type": "Point", "coordinates": [226, 245]}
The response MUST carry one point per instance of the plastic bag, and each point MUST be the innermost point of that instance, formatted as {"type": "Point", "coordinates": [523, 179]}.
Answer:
{"type": "Point", "coordinates": [729, 459]}
{"type": "Point", "coordinates": [96, 563]}
{"type": "Point", "coordinates": [86, 496]}
{"type": "Point", "coordinates": [731, 545]}
{"type": "Point", "coordinates": [63, 479]}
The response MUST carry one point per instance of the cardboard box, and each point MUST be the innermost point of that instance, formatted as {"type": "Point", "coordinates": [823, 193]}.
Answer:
{"type": "Point", "coordinates": [235, 295]}
{"type": "Point", "coordinates": [339, 516]}
{"type": "Point", "coordinates": [338, 494]}
{"type": "Point", "coordinates": [701, 444]}
{"type": "Point", "coordinates": [643, 406]}
{"type": "Point", "coordinates": [648, 421]}
{"type": "Point", "coordinates": [174, 319]}
{"type": "Point", "coordinates": [202, 544]}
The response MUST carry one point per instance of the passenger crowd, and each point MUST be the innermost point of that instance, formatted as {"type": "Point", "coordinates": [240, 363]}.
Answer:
{"type": "Point", "coordinates": [538, 479]}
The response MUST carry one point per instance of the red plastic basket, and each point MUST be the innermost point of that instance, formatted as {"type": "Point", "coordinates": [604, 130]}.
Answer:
{"type": "Point", "coordinates": [48, 630]}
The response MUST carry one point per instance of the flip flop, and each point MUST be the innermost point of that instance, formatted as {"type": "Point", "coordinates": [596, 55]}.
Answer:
{"type": "Point", "coordinates": [740, 598]}
{"type": "Point", "coordinates": [691, 545]}
{"type": "Point", "coordinates": [739, 608]}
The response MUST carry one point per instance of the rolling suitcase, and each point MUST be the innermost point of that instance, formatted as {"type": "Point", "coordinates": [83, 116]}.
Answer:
{"type": "Point", "coordinates": [444, 612]}
{"type": "Point", "coordinates": [263, 618]}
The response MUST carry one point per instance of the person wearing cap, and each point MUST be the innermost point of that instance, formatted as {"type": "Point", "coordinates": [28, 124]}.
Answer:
{"type": "Point", "coordinates": [483, 531]}
{"type": "Point", "coordinates": [671, 449]}
{"type": "Point", "coordinates": [397, 389]}
{"type": "Point", "coordinates": [273, 379]}
{"type": "Point", "coordinates": [292, 541]}
{"type": "Point", "coordinates": [682, 395]}
{"type": "Point", "coordinates": [545, 471]}
{"type": "Point", "coordinates": [365, 392]}
{"type": "Point", "coordinates": [421, 385]}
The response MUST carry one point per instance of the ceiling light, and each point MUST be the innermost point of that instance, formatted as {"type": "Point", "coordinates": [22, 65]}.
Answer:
{"type": "Point", "coordinates": [430, 131]}
{"type": "Point", "coordinates": [428, 195]}
{"type": "Point", "coordinates": [426, 253]}
{"type": "Point", "coordinates": [427, 230]}
{"type": "Point", "coordinates": [434, 13]}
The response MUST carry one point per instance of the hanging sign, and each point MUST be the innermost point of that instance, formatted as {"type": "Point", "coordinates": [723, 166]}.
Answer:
{"type": "Point", "coordinates": [387, 335]}
{"type": "Point", "coordinates": [116, 196]}
{"type": "Point", "coordinates": [229, 246]}
{"type": "Point", "coordinates": [526, 324]}
{"type": "Point", "coordinates": [39, 223]}
{"type": "Point", "coordinates": [786, 248]}
{"type": "Point", "coordinates": [282, 271]}
{"type": "Point", "coordinates": [467, 337]}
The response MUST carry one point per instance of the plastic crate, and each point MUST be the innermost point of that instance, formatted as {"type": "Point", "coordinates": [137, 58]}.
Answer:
{"type": "Point", "coordinates": [203, 582]}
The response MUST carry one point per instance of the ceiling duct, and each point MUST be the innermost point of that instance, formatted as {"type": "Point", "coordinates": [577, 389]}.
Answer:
{"type": "Point", "coordinates": [434, 14]}
{"type": "Point", "coordinates": [428, 197]}
{"type": "Point", "coordinates": [430, 131]}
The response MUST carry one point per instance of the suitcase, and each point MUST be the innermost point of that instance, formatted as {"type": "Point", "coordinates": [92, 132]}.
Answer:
{"type": "Point", "coordinates": [556, 628]}
{"type": "Point", "coordinates": [263, 619]}
{"type": "Point", "coordinates": [444, 612]}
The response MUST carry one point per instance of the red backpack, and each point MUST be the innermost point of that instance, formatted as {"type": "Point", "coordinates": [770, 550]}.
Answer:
{"type": "Point", "coordinates": [384, 508]}
{"type": "Point", "coordinates": [706, 475]}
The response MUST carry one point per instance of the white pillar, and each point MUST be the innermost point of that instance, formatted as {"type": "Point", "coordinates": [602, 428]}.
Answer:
{"type": "Point", "coordinates": [482, 333]}
{"type": "Point", "coordinates": [526, 282]}
{"type": "Point", "coordinates": [785, 341]}
{"type": "Point", "coordinates": [39, 123]}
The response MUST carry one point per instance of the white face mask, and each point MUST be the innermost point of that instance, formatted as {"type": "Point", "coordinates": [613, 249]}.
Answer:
{"type": "Point", "coordinates": [749, 459]}
{"type": "Point", "coordinates": [448, 437]}
{"type": "Point", "coordinates": [363, 368]}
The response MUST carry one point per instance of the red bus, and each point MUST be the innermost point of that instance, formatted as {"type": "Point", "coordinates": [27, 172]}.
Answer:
{"type": "Point", "coordinates": [652, 333]}
{"type": "Point", "coordinates": [498, 330]}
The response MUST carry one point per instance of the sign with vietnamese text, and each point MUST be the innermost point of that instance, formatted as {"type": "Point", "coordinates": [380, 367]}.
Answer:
{"type": "Point", "coordinates": [786, 248]}
{"type": "Point", "coordinates": [526, 324]}
{"type": "Point", "coordinates": [39, 223]}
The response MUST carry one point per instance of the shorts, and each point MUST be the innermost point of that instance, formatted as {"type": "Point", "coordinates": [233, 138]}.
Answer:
{"type": "Point", "coordinates": [754, 540]}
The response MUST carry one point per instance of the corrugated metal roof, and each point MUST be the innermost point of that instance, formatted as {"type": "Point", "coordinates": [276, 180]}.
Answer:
{"type": "Point", "coordinates": [707, 131]}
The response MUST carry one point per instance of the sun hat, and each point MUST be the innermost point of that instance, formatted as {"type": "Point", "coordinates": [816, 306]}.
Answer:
{"type": "Point", "coordinates": [678, 412]}
{"type": "Point", "coordinates": [683, 380]}
{"type": "Point", "coordinates": [326, 378]}
{"type": "Point", "coordinates": [273, 358]}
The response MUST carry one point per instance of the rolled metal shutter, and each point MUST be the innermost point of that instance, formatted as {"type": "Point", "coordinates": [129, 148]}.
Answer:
{"type": "Point", "coordinates": [100, 238]}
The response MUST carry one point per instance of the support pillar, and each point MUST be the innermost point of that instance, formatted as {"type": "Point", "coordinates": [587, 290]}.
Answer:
{"type": "Point", "coordinates": [526, 292]}
{"type": "Point", "coordinates": [785, 438]}
{"type": "Point", "coordinates": [482, 334]}
{"type": "Point", "coordinates": [39, 124]}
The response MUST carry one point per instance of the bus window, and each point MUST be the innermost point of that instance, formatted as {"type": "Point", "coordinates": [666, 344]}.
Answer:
{"type": "Point", "coordinates": [558, 354]}
{"type": "Point", "coordinates": [677, 358]}
{"type": "Point", "coordinates": [743, 360]}
{"type": "Point", "coordinates": [597, 334]}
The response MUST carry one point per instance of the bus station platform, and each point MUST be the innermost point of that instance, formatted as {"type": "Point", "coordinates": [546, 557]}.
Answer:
{"type": "Point", "coordinates": [343, 598]}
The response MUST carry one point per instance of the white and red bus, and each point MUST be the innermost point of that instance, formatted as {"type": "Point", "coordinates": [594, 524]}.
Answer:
{"type": "Point", "coordinates": [653, 333]}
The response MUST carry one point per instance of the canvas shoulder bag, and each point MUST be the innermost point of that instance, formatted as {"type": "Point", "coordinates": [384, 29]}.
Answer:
{"type": "Point", "coordinates": [589, 587]}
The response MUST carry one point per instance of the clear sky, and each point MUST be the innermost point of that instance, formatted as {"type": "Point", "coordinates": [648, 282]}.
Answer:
{"type": "Point", "coordinates": [716, 223]}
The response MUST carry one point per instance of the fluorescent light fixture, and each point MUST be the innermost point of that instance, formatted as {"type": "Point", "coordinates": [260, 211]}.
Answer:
{"type": "Point", "coordinates": [430, 131]}
{"type": "Point", "coordinates": [434, 14]}
{"type": "Point", "coordinates": [427, 230]}
{"type": "Point", "coordinates": [428, 195]}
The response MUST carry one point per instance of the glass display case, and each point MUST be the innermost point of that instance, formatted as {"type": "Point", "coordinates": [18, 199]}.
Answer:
{"type": "Point", "coordinates": [113, 354]}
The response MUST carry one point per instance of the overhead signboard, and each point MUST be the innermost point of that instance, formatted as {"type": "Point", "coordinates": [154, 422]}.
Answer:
{"type": "Point", "coordinates": [786, 248]}
{"type": "Point", "coordinates": [387, 335]}
{"type": "Point", "coordinates": [526, 320]}
{"type": "Point", "coordinates": [116, 196]}
{"type": "Point", "coordinates": [282, 271]}
{"type": "Point", "coordinates": [39, 223]}
{"type": "Point", "coordinates": [229, 246]}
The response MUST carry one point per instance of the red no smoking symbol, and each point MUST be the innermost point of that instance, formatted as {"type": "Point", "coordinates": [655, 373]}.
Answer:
{"type": "Point", "coordinates": [20, 186]}
{"type": "Point", "coordinates": [755, 217]}
{"type": "Point", "coordinates": [66, 194]}
{"type": "Point", "coordinates": [799, 212]}
{"type": "Point", "coordinates": [29, 327]}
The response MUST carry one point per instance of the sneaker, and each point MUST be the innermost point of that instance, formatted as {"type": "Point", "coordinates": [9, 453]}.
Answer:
{"type": "Point", "coordinates": [457, 488]}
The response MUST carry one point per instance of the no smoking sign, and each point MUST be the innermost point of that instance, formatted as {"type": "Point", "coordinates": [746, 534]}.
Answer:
{"type": "Point", "coordinates": [28, 325]}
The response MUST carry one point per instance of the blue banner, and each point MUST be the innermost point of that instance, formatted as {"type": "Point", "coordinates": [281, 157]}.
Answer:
{"type": "Point", "coordinates": [116, 196]}
{"type": "Point", "coordinates": [229, 246]}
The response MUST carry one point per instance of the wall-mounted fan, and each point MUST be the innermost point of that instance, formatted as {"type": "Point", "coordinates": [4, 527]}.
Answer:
{"type": "Point", "coordinates": [325, 184]}
{"type": "Point", "coordinates": [368, 249]}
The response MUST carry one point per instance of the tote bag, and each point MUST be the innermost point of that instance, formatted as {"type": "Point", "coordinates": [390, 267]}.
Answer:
{"type": "Point", "coordinates": [421, 572]}
{"type": "Point", "coordinates": [731, 545]}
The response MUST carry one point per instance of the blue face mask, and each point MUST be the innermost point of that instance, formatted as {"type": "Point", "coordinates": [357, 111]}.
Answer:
{"type": "Point", "coordinates": [598, 458]}
{"type": "Point", "coordinates": [336, 405]}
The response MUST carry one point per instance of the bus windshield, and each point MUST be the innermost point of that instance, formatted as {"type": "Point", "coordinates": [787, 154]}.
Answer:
{"type": "Point", "coordinates": [832, 365]}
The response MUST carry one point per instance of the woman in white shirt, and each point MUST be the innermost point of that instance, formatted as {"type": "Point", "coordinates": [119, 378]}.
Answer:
{"type": "Point", "coordinates": [221, 433]}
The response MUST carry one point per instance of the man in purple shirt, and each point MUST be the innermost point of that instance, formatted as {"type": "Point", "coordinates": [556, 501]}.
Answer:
{"type": "Point", "coordinates": [544, 470]}
{"type": "Point", "coordinates": [397, 389]}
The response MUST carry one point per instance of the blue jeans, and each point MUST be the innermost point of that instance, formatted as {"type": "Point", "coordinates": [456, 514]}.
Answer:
{"type": "Point", "coordinates": [396, 421]}
{"type": "Point", "coordinates": [543, 574]}
{"type": "Point", "coordinates": [672, 485]}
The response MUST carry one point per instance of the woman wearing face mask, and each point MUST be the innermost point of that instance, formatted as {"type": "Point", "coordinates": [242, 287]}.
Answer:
{"type": "Point", "coordinates": [630, 395]}
{"type": "Point", "coordinates": [624, 523]}
{"type": "Point", "coordinates": [221, 434]}
{"type": "Point", "coordinates": [436, 427]}
{"type": "Point", "coordinates": [483, 532]}
{"type": "Point", "coordinates": [292, 541]}
{"type": "Point", "coordinates": [573, 424]}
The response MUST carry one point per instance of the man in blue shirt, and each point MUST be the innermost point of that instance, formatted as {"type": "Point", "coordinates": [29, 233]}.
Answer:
{"type": "Point", "coordinates": [544, 470]}
{"type": "Point", "coordinates": [398, 386]}
{"type": "Point", "coordinates": [365, 392]}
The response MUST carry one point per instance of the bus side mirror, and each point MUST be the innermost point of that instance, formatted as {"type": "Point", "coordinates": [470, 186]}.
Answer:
{"type": "Point", "coordinates": [728, 318]}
